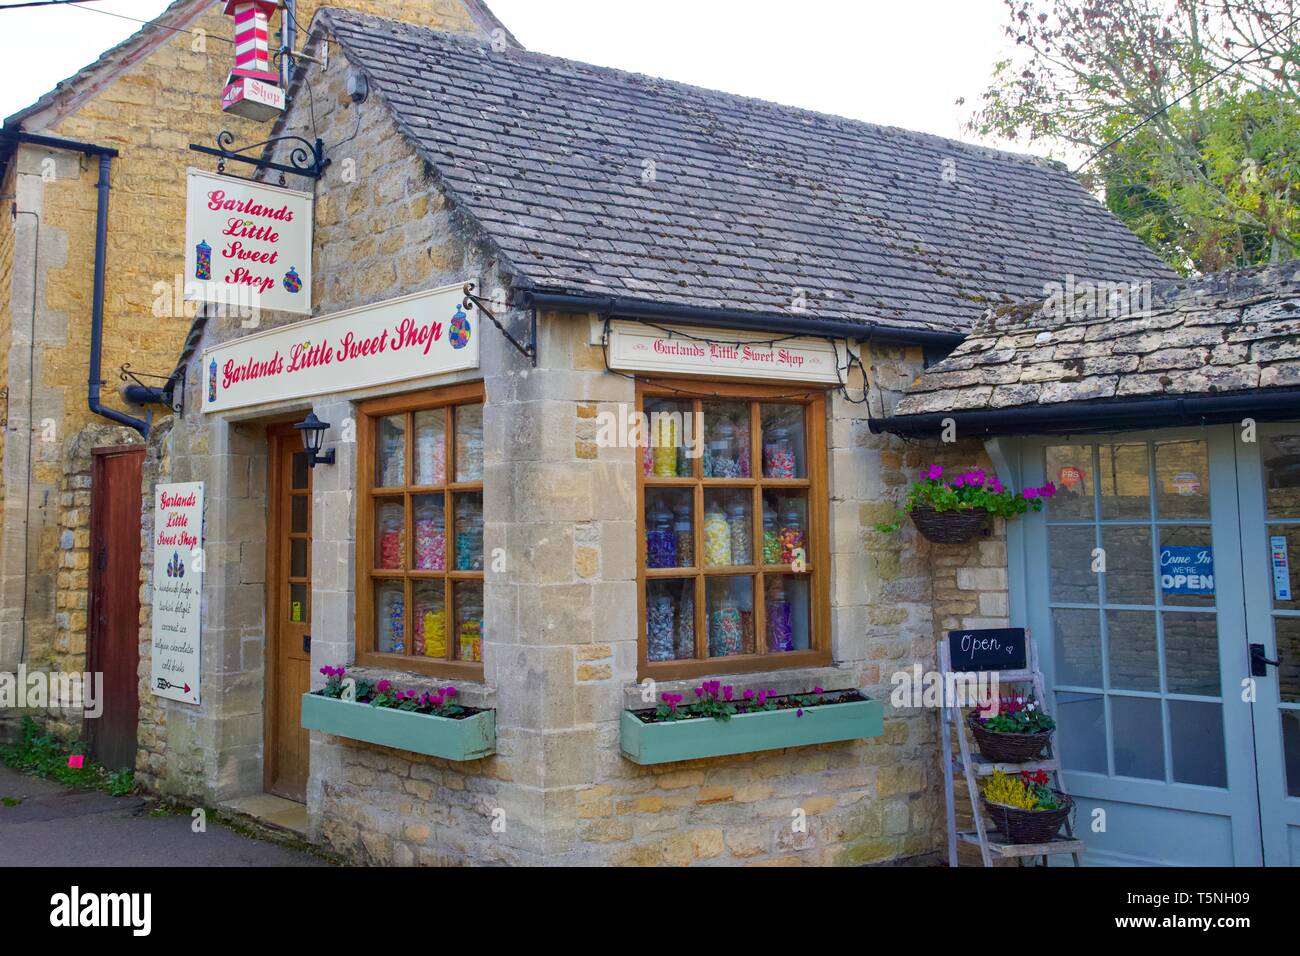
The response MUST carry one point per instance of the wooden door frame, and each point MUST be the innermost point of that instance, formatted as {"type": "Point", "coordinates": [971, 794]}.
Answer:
{"type": "Point", "coordinates": [97, 457]}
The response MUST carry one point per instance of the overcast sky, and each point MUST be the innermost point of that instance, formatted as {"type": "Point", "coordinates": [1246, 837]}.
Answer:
{"type": "Point", "coordinates": [900, 64]}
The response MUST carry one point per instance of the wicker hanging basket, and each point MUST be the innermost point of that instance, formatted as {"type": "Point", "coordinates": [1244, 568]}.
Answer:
{"type": "Point", "coordinates": [1009, 748]}
{"type": "Point", "coordinates": [947, 527]}
{"type": "Point", "coordinates": [1029, 826]}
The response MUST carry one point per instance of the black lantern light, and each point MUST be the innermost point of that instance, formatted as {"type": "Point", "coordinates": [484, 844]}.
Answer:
{"type": "Point", "coordinates": [313, 436]}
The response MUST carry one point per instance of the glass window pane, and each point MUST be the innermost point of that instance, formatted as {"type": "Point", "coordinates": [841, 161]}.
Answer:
{"type": "Point", "coordinates": [299, 603]}
{"type": "Point", "coordinates": [786, 609]}
{"type": "Point", "coordinates": [1282, 475]}
{"type": "Point", "coordinates": [430, 524]}
{"type": "Point", "coordinates": [1125, 479]}
{"type": "Point", "coordinates": [783, 441]}
{"type": "Point", "coordinates": [1182, 480]}
{"type": "Point", "coordinates": [1286, 630]}
{"type": "Point", "coordinates": [469, 530]}
{"type": "Point", "coordinates": [469, 442]}
{"type": "Point", "coordinates": [730, 603]}
{"type": "Point", "coordinates": [670, 619]}
{"type": "Point", "coordinates": [1131, 650]}
{"type": "Point", "coordinates": [670, 528]}
{"type": "Point", "coordinates": [727, 451]}
{"type": "Point", "coordinates": [1138, 743]}
{"type": "Point", "coordinates": [728, 527]}
{"type": "Point", "coordinates": [467, 596]}
{"type": "Point", "coordinates": [390, 452]}
{"type": "Point", "coordinates": [298, 514]}
{"type": "Point", "coordinates": [1081, 731]}
{"type": "Point", "coordinates": [390, 617]}
{"type": "Point", "coordinates": [785, 528]}
{"type": "Point", "coordinates": [1196, 739]}
{"type": "Point", "coordinates": [297, 557]}
{"type": "Point", "coordinates": [1070, 563]}
{"type": "Point", "coordinates": [1291, 750]}
{"type": "Point", "coordinates": [1076, 635]}
{"type": "Point", "coordinates": [674, 441]}
{"type": "Point", "coordinates": [429, 629]}
{"type": "Point", "coordinates": [1129, 575]}
{"type": "Point", "coordinates": [1069, 467]}
{"type": "Point", "coordinates": [300, 476]}
{"type": "Point", "coordinates": [431, 447]}
{"type": "Point", "coordinates": [390, 534]}
{"type": "Point", "coordinates": [1186, 567]}
{"type": "Point", "coordinates": [1192, 653]}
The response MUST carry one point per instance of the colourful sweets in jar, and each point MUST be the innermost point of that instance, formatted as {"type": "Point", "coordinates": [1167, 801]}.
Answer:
{"type": "Point", "coordinates": [684, 643]}
{"type": "Point", "coordinates": [394, 621]}
{"type": "Point", "coordinates": [665, 447]}
{"type": "Point", "coordinates": [780, 622]}
{"type": "Point", "coordinates": [717, 539]}
{"type": "Point", "coordinates": [742, 539]}
{"type": "Point", "coordinates": [431, 634]}
{"type": "Point", "coordinates": [685, 536]}
{"type": "Point", "coordinates": [791, 536]}
{"type": "Point", "coordinates": [430, 540]}
{"type": "Point", "coordinates": [726, 629]}
{"type": "Point", "coordinates": [659, 628]}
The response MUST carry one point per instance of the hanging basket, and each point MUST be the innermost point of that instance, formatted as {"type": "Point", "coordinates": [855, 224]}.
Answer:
{"type": "Point", "coordinates": [1029, 826]}
{"type": "Point", "coordinates": [947, 527]}
{"type": "Point", "coordinates": [1008, 748]}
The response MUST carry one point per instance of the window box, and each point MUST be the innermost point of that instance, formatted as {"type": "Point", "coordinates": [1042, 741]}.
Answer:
{"type": "Point", "coordinates": [461, 738]}
{"type": "Point", "coordinates": [673, 740]}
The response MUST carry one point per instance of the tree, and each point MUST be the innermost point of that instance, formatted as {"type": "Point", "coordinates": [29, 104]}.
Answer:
{"type": "Point", "coordinates": [1185, 112]}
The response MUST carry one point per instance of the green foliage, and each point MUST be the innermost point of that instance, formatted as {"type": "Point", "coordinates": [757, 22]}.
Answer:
{"type": "Point", "coordinates": [45, 755]}
{"type": "Point", "coordinates": [973, 490]}
{"type": "Point", "coordinates": [1028, 791]}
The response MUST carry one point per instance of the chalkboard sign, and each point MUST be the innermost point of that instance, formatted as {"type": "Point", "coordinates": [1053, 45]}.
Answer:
{"type": "Point", "coordinates": [989, 649]}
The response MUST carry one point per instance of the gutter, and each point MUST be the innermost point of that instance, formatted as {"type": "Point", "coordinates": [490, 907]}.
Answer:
{"type": "Point", "coordinates": [1125, 414]}
{"type": "Point", "coordinates": [94, 381]}
{"type": "Point", "coordinates": [618, 307]}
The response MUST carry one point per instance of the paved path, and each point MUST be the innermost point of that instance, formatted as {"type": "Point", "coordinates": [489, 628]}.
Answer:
{"type": "Point", "coordinates": [54, 825]}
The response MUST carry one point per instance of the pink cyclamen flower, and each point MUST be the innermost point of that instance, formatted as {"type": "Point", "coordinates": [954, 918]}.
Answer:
{"type": "Point", "coordinates": [449, 691]}
{"type": "Point", "coordinates": [726, 692]}
{"type": "Point", "coordinates": [384, 686]}
{"type": "Point", "coordinates": [934, 472]}
{"type": "Point", "coordinates": [749, 694]}
{"type": "Point", "coordinates": [818, 690]}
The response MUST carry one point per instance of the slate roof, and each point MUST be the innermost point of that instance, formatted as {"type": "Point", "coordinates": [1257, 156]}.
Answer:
{"type": "Point", "coordinates": [1224, 333]}
{"type": "Point", "coordinates": [750, 200]}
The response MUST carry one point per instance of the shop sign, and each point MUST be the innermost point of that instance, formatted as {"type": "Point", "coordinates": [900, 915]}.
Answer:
{"type": "Point", "coordinates": [414, 336]}
{"type": "Point", "coordinates": [177, 586]}
{"type": "Point", "coordinates": [1187, 484]}
{"type": "Point", "coordinates": [988, 649]}
{"type": "Point", "coordinates": [1281, 567]}
{"type": "Point", "coordinates": [247, 243]}
{"type": "Point", "coordinates": [1187, 570]}
{"type": "Point", "coordinates": [1071, 477]}
{"type": "Point", "coordinates": [635, 347]}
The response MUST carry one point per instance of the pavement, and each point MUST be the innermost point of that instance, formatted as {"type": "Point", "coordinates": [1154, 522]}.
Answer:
{"type": "Point", "coordinates": [43, 823]}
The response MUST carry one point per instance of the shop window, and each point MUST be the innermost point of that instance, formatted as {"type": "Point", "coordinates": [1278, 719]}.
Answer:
{"type": "Point", "coordinates": [420, 533]}
{"type": "Point", "coordinates": [732, 515]}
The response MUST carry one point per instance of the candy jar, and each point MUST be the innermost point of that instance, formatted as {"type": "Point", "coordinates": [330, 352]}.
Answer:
{"type": "Point", "coordinates": [392, 535]}
{"type": "Point", "coordinates": [469, 445]}
{"type": "Point", "coordinates": [722, 452]}
{"type": "Point", "coordinates": [430, 538]}
{"type": "Point", "coordinates": [659, 628]}
{"type": "Point", "coordinates": [771, 538]}
{"type": "Point", "coordinates": [778, 454]}
{"type": "Point", "coordinates": [780, 630]}
{"type": "Point", "coordinates": [726, 633]}
{"type": "Point", "coordinates": [683, 461]}
{"type": "Point", "coordinates": [471, 626]}
{"type": "Point", "coordinates": [742, 539]}
{"type": "Point", "coordinates": [431, 631]}
{"type": "Point", "coordinates": [203, 260]}
{"type": "Point", "coordinates": [665, 446]}
{"type": "Point", "coordinates": [469, 537]}
{"type": "Point", "coordinates": [660, 540]}
{"type": "Point", "coordinates": [430, 456]}
{"type": "Point", "coordinates": [684, 644]}
{"type": "Point", "coordinates": [393, 451]}
{"type": "Point", "coordinates": [717, 537]}
{"type": "Point", "coordinates": [685, 537]}
{"type": "Point", "coordinates": [392, 621]}
{"type": "Point", "coordinates": [791, 535]}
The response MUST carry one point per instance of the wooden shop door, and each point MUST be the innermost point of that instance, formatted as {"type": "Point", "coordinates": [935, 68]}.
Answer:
{"type": "Point", "coordinates": [113, 645]}
{"type": "Point", "coordinates": [288, 651]}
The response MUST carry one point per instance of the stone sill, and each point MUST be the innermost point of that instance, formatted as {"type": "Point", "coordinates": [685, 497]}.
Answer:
{"type": "Point", "coordinates": [470, 693]}
{"type": "Point", "coordinates": [794, 680]}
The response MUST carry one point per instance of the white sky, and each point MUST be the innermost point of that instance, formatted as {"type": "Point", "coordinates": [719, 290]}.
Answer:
{"type": "Point", "coordinates": [895, 63]}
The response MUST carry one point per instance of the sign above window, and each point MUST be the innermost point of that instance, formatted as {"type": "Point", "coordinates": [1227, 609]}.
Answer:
{"type": "Point", "coordinates": [635, 347]}
{"type": "Point", "coordinates": [247, 244]}
{"type": "Point", "coordinates": [411, 337]}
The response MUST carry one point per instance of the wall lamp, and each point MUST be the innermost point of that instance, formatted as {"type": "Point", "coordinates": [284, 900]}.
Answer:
{"type": "Point", "coordinates": [313, 436]}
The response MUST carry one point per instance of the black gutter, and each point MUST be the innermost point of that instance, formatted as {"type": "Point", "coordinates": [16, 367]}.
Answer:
{"type": "Point", "coordinates": [54, 142]}
{"type": "Point", "coordinates": [1105, 415]}
{"type": "Point", "coordinates": [618, 307]}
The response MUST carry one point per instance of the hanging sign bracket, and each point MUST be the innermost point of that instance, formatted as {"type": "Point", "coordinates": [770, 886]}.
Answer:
{"type": "Point", "coordinates": [529, 350]}
{"type": "Point", "coordinates": [306, 159]}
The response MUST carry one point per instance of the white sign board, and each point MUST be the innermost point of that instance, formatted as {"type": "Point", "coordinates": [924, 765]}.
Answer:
{"type": "Point", "coordinates": [177, 585]}
{"type": "Point", "coordinates": [414, 336]}
{"type": "Point", "coordinates": [642, 348]}
{"type": "Point", "coordinates": [247, 242]}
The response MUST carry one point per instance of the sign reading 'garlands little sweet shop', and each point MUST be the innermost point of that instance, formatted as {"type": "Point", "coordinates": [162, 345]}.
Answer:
{"type": "Point", "coordinates": [177, 584]}
{"type": "Point", "coordinates": [393, 341]}
{"type": "Point", "coordinates": [643, 348]}
{"type": "Point", "coordinates": [247, 243]}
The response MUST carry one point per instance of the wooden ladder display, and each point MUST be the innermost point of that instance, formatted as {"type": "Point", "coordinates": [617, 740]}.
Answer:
{"type": "Point", "coordinates": [974, 766]}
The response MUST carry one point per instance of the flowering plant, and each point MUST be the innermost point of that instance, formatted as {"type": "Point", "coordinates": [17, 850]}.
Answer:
{"type": "Point", "coordinates": [1025, 790]}
{"type": "Point", "coordinates": [1015, 715]}
{"type": "Point", "coordinates": [720, 701]}
{"type": "Point", "coordinates": [973, 490]}
{"type": "Point", "coordinates": [438, 703]}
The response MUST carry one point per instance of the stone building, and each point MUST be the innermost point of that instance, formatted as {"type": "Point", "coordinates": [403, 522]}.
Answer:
{"type": "Point", "coordinates": [131, 114]}
{"type": "Point", "coordinates": [641, 246]}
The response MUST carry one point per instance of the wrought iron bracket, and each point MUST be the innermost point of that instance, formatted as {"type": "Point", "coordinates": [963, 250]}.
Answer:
{"type": "Point", "coordinates": [305, 159]}
{"type": "Point", "coordinates": [527, 350]}
{"type": "Point", "coordinates": [170, 393]}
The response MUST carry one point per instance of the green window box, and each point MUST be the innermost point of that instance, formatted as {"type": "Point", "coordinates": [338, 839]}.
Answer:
{"type": "Point", "coordinates": [465, 738]}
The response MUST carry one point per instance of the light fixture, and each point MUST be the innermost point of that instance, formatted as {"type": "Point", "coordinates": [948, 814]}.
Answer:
{"type": "Point", "coordinates": [313, 436]}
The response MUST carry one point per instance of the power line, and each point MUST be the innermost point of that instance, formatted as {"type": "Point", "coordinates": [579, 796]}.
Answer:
{"type": "Point", "coordinates": [42, 3]}
{"type": "Point", "coordinates": [76, 5]}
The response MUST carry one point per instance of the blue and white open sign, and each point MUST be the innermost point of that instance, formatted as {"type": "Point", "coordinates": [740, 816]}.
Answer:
{"type": "Point", "coordinates": [1187, 570]}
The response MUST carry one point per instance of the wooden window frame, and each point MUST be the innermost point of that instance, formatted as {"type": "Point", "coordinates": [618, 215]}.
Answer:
{"type": "Point", "coordinates": [369, 415]}
{"type": "Point", "coordinates": [815, 486]}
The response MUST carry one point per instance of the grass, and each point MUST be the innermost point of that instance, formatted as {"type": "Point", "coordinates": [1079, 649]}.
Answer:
{"type": "Point", "coordinates": [45, 755]}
